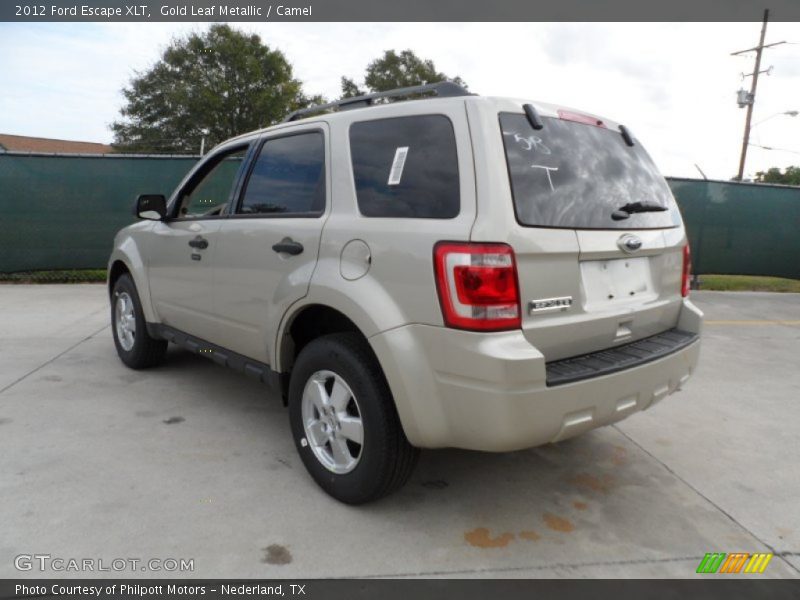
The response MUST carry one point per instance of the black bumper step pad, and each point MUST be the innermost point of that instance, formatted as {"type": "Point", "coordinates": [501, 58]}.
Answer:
{"type": "Point", "coordinates": [611, 360]}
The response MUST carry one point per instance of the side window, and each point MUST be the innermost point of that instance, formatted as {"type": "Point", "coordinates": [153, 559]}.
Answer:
{"type": "Point", "coordinates": [406, 167]}
{"type": "Point", "coordinates": [288, 177]}
{"type": "Point", "coordinates": [209, 195]}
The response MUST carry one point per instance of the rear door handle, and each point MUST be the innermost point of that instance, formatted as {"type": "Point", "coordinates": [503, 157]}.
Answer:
{"type": "Point", "coordinates": [289, 246]}
{"type": "Point", "coordinates": [199, 242]}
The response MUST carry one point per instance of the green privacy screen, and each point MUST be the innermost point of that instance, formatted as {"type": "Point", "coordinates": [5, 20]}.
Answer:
{"type": "Point", "coordinates": [62, 211]}
{"type": "Point", "coordinates": [741, 228]}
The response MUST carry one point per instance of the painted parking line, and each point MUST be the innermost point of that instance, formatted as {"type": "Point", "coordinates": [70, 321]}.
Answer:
{"type": "Point", "coordinates": [754, 322]}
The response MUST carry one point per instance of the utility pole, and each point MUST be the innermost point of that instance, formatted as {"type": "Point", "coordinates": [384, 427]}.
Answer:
{"type": "Point", "coordinates": [751, 99]}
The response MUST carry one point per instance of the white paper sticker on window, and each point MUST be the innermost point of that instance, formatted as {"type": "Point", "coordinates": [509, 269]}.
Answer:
{"type": "Point", "coordinates": [397, 165]}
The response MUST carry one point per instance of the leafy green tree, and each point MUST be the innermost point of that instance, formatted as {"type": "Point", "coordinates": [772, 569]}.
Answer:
{"type": "Point", "coordinates": [350, 89]}
{"type": "Point", "coordinates": [212, 85]}
{"type": "Point", "coordinates": [790, 176]}
{"type": "Point", "coordinates": [393, 70]}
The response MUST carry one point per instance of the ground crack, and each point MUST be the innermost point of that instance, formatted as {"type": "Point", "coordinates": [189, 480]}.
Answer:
{"type": "Point", "coordinates": [780, 555]}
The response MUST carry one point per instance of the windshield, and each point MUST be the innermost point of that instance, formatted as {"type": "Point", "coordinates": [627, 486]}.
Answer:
{"type": "Point", "coordinates": [575, 176]}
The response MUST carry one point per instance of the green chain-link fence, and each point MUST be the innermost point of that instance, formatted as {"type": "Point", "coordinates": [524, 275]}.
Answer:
{"type": "Point", "coordinates": [61, 212]}
{"type": "Point", "coordinates": [741, 228]}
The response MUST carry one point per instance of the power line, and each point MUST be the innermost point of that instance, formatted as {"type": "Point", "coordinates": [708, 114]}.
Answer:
{"type": "Point", "coordinates": [776, 149]}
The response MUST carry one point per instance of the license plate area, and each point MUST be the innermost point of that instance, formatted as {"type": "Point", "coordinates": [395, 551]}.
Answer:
{"type": "Point", "coordinates": [615, 282]}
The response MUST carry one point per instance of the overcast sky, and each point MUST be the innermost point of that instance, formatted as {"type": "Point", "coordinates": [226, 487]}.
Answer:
{"type": "Point", "coordinates": [673, 84]}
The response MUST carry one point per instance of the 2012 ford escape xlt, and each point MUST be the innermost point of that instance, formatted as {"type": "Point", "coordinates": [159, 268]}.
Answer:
{"type": "Point", "coordinates": [447, 271]}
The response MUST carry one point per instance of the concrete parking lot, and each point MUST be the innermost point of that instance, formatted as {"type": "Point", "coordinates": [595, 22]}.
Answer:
{"type": "Point", "coordinates": [192, 461]}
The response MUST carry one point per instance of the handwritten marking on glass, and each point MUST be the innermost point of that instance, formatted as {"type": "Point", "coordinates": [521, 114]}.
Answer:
{"type": "Point", "coordinates": [532, 143]}
{"type": "Point", "coordinates": [529, 143]}
{"type": "Point", "coordinates": [547, 170]}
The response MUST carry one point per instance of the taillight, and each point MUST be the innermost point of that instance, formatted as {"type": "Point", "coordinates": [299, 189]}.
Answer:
{"type": "Point", "coordinates": [686, 278]}
{"type": "Point", "coordinates": [477, 286]}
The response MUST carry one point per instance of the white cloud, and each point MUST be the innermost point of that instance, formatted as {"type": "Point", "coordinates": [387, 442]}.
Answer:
{"type": "Point", "coordinates": [673, 84]}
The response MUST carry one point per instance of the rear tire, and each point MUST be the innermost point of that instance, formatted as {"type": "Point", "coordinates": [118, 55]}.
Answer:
{"type": "Point", "coordinates": [338, 397]}
{"type": "Point", "coordinates": [134, 345]}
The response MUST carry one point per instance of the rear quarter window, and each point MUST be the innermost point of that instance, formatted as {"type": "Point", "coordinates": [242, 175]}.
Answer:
{"type": "Point", "coordinates": [406, 167]}
{"type": "Point", "coordinates": [574, 176]}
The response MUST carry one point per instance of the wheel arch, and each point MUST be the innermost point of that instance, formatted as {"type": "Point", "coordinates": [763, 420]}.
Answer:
{"type": "Point", "coordinates": [115, 271]}
{"type": "Point", "coordinates": [306, 323]}
{"type": "Point", "coordinates": [126, 259]}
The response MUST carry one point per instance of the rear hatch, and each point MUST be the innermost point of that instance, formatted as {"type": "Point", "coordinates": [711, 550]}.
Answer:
{"type": "Point", "coordinates": [598, 236]}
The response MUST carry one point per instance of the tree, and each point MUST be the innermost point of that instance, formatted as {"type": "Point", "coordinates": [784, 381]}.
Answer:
{"type": "Point", "coordinates": [212, 85]}
{"type": "Point", "coordinates": [790, 176]}
{"type": "Point", "coordinates": [394, 70]}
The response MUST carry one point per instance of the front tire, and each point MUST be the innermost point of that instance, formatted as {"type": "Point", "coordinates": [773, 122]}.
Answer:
{"type": "Point", "coordinates": [134, 345]}
{"type": "Point", "coordinates": [344, 421]}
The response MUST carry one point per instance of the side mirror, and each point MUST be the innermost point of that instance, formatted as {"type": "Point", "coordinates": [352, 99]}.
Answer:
{"type": "Point", "coordinates": [151, 206]}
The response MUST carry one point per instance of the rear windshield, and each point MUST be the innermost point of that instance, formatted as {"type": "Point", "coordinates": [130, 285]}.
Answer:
{"type": "Point", "coordinates": [571, 175]}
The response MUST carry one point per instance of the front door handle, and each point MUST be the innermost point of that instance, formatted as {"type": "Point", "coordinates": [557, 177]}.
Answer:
{"type": "Point", "coordinates": [199, 242]}
{"type": "Point", "coordinates": [289, 246]}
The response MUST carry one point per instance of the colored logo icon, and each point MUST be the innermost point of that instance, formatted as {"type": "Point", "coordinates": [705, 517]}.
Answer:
{"type": "Point", "coordinates": [737, 562]}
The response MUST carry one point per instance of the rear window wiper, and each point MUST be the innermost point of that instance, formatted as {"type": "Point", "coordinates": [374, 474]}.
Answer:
{"type": "Point", "coordinates": [626, 210]}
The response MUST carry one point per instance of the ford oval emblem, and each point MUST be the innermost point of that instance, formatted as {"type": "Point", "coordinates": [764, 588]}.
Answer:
{"type": "Point", "coordinates": [629, 243]}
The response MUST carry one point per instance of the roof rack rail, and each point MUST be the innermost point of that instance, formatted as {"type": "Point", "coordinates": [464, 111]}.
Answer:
{"type": "Point", "coordinates": [442, 89]}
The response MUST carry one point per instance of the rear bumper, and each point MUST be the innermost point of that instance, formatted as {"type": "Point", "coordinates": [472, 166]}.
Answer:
{"type": "Point", "coordinates": [618, 358]}
{"type": "Point", "coordinates": [489, 391]}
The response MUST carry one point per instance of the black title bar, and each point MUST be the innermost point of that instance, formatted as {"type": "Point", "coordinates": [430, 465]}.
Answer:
{"type": "Point", "coordinates": [705, 587]}
{"type": "Point", "coordinates": [396, 10]}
